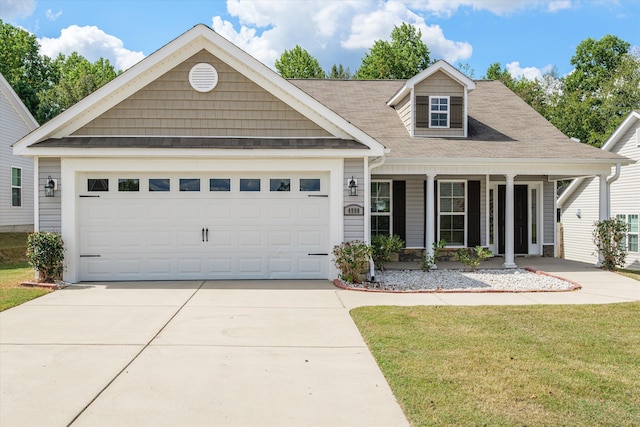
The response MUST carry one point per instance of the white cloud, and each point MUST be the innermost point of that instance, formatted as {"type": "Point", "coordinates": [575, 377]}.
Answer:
{"type": "Point", "coordinates": [530, 73]}
{"type": "Point", "coordinates": [497, 7]}
{"type": "Point", "coordinates": [53, 16]}
{"type": "Point", "coordinates": [331, 31]}
{"type": "Point", "coordinates": [92, 43]}
{"type": "Point", "coordinates": [11, 9]}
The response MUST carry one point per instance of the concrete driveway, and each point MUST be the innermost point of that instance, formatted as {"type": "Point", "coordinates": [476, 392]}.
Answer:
{"type": "Point", "coordinates": [263, 353]}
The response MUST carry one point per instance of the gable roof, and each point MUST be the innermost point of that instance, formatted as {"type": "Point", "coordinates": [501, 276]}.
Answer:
{"type": "Point", "coordinates": [440, 65]}
{"type": "Point", "coordinates": [502, 127]}
{"type": "Point", "coordinates": [155, 65]}
{"type": "Point", "coordinates": [16, 103]}
{"type": "Point", "coordinates": [632, 119]}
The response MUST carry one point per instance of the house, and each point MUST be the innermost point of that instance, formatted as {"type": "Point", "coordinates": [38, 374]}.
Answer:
{"type": "Point", "coordinates": [579, 202]}
{"type": "Point", "coordinates": [16, 173]}
{"type": "Point", "coordinates": [200, 162]}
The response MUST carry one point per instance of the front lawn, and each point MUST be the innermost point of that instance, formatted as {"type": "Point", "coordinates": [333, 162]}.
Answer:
{"type": "Point", "coordinates": [634, 274]}
{"type": "Point", "coordinates": [14, 270]}
{"type": "Point", "coordinates": [508, 366]}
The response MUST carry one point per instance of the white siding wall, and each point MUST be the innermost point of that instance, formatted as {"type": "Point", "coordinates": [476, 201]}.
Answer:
{"type": "Point", "coordinates": [49, 207]}
{"type": "Point", "coordinates": [13, 126]}
{"type": "Point", "coordinates": [354, 225]}
{"type": "Point", "coordinates": [578, 244]}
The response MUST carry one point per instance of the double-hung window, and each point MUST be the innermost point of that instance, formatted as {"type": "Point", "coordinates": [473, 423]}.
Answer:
{"type": "Point", "coordinates": [381, 208]}
{"type": "Point", "coordinates": [631, 238]}
{"type": "Point", "coordinates": [452, 212]}
{"type": "Point", "coordinates": [16, 187]}
{"type": "Point", "coordinates": [439, 111]}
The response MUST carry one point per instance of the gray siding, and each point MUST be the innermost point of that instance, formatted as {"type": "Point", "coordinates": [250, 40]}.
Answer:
{"type": "Point", "coordinates": [404, 111]}
{"type": "Point", "coordinates": [49, 207]}
{"type": "Point", "coordinates": [237, 106]}
{"type": "Point", "coordinates": [549, 214]}
{"type": "Point", "coordinates": [354, 225]}
{"type": "Point", "coordinates": [415, 211]}
{"type": "Point", "coordinates": [13, 126]}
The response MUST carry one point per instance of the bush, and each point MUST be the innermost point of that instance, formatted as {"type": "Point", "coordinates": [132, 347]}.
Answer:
{"type": "Point", "coordinates": [472, 257]}
{"type": "Point", "coordinates": [45, 253]}
{"type": "Point", "coordinates": [428, 262]}
{"type": "Point", "coordinates": [609, 238]}
{"type": "Point", "coordinates": [352, 259]}
{"type": "Point", "coordinates": [383, 247]}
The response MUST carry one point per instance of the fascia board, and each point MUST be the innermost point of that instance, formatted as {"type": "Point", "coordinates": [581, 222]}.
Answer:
{"type": "Point", "coordinates": [569, 191]}
{"type": "Point", "coordinates": [507, 161]}
{"type": "Point", "coordinates": [621, 130]}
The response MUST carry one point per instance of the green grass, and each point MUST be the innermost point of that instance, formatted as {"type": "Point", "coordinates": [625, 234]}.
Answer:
{"type": "Point", "coordinates": [14, 270]}
{"type": "Point", "coordinates": [634, 274]}
{"type": "Point", "coordinates": [510, 366]}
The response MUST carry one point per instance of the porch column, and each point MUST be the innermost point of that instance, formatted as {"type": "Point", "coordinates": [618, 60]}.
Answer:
{"type": "Point", "coordinates": [429, 208]}
{"type": "Point", "coordinates": [509, 213]}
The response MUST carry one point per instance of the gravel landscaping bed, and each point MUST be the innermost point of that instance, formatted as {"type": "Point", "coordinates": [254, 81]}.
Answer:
{"type": "Point", "coordinates": [516, 280]}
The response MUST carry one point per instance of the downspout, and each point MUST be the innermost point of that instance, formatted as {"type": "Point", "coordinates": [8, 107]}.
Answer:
{"type": "Point", "coordinates": [610, 180]}
{"type": "Point", "coordinates": [378, 161]}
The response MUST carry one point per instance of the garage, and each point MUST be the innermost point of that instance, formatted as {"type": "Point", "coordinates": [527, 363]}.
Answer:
{"type": "Point", "coordinates": [168, 226]}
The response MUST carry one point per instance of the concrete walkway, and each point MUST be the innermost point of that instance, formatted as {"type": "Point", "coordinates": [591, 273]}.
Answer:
{"type": "Point", "coordinates": [259, 353]}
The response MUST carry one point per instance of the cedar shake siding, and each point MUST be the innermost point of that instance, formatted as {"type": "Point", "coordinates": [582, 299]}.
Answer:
{"type": "Point", "coordinates": [236, 107]}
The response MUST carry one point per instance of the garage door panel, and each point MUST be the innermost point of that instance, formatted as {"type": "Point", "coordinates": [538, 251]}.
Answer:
{"type": "Point", "coordinates": [156, 236]}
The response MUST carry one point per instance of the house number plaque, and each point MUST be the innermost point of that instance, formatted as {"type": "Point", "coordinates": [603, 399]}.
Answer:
{"type": "Point", "coordinates": [353, 210]}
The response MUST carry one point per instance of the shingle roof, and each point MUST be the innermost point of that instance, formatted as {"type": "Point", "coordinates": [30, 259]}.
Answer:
{"type": "Point", "coordinates": [181, 142]}
{"type": "Point", "coordinates": [501, 124]}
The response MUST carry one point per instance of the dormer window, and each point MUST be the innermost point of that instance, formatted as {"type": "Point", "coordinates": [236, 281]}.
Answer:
{"type": "Point", "coordinates": [439, 111]}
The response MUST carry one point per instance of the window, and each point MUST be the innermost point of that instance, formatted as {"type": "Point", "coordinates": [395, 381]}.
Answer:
{"type": "Point", "coordinates": [439, 111]}
{"type": "Point", "coordinates": [97, 184]}
{"type": "Point", "coordinates": [249, 184]}
{"type": "Point", "coordinates": [159, 184]}
{"type": "Point", "coordinates": [309, 184]}
{"type": "Point", "coordinates": [219, 184]}
{"type": "Point", "coordinates": [280, 184]}
{"type": "Point", "coordinates": [381, 208]}
{"type": "Point", "coordinates": [128, 184]}
{"type": "Point", "coordinates": [452, 212]}
{"type": "Point", "coordinates": [631, 239]}
{"type": "Point", "coordinates": [189, 184]}
{"type": "Point", "coordinates": [16, 187]}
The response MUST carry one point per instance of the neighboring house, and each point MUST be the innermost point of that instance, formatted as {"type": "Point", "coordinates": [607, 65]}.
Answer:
{"type": "Point", "coordinates": [202, 163]}
{"type": "Point", "coordinates": [16, 173]}
{"type": "Point", "coordinates": [579, 202]}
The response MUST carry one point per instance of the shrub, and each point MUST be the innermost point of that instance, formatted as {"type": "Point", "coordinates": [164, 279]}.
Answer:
{"type": "Point", "coordinates": [428, 262]}
{"type": "Point", "coordinates": [472, 257]}
{"type": "Point", "coordinates": [352, 259]}
{"type": "Point", "coordinates": [609, 238]}
{"type": "Point", "coordinates": [382, 248]}
{"type": "Point", "coordinates": [45, 253]}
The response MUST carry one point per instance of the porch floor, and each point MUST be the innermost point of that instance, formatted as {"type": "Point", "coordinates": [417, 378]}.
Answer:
{"type": "Point", "coordinates": [494, 262]}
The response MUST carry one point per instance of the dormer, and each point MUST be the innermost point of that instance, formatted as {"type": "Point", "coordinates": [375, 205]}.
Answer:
{"type": "Point", "coordinates": [434, 102]}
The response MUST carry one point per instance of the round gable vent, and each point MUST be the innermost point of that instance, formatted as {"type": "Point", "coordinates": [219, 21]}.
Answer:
{"type": "Point", "coordinates": [203, 77]}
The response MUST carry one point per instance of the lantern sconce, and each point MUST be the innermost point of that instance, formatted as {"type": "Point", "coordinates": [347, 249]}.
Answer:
{"type": "Point", "coordinates": [353, 186]}
{"type": "Point", "coordinates": [50, 187]}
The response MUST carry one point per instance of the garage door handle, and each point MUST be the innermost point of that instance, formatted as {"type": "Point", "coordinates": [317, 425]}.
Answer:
{"type": "Point", "coordinates": [203, 234]}
{"type": "Point", "coordinates": [89, 256]}
{"type": "Point", "coordinates": [318, 195]}
{"type": "Point", "coordinates": [207, 234]}
{"type": "Point", "coordinates": [317, 254]}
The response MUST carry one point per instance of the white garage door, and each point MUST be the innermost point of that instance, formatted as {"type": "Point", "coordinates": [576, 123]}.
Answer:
{"type": "Point", "coordinates": [186, 226]}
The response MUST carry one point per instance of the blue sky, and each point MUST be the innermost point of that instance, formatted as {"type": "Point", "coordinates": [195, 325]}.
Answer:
{"type": "Point", "coordinates": [527, 36]}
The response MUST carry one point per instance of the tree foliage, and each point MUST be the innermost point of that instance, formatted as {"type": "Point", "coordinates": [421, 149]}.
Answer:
{"type": "Point", "coordinates": [402, 58]}
{"type": "Point", "coordinates": [297, 63]}
{"type": "Point", "coordinates": [338, 72]}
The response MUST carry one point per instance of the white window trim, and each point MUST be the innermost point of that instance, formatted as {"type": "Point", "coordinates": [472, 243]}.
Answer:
{"type": "Point", "coordinates": [448, 112]}
{"type": "Point", "coordinates": [625, 218]}
{"type": "Point", "coordinates": [16, 186]}
{"type": "Point", "coordinates": [390, 213]}
{"type": "Point", "coordinates": [466, 209]}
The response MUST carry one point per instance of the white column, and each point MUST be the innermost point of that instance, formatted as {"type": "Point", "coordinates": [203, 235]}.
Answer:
{"type": "Point", "coordinates": [603, 207]}
{"type": "Point", "coordinates": [429, 206]}
{"type": "Point", "coordinates": [509, 251]}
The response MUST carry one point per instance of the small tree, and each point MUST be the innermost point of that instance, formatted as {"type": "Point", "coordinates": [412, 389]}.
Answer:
{"type": "Point", "coordinates": [352, 259]}
{"type": "Point", "coordinates": [472, 257]}
{"type": "Point", "coordinates": [383, 246]}
{"type": "Point", "coordinates": [45, 252]}
{"type": "Point", "coordinates": [609, 238]}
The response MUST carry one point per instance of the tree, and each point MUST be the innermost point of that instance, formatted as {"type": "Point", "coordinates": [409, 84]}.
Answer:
{"type": "Point", "coordinates": [600, 92]}
{"type": "Point", "coordinates": [21, 64]}
{"type": "Point", "coordinates": [74, 78]}
{"type": "Point", "coordinates": [402, 58]}
{"type": "Point", "coordinates": [339, 73]}
{"type": "Point", "coordinates": [297, 63]}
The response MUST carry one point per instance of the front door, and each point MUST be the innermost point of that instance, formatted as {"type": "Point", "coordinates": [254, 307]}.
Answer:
{"type": "Point", "coordinates": [521, 223]}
